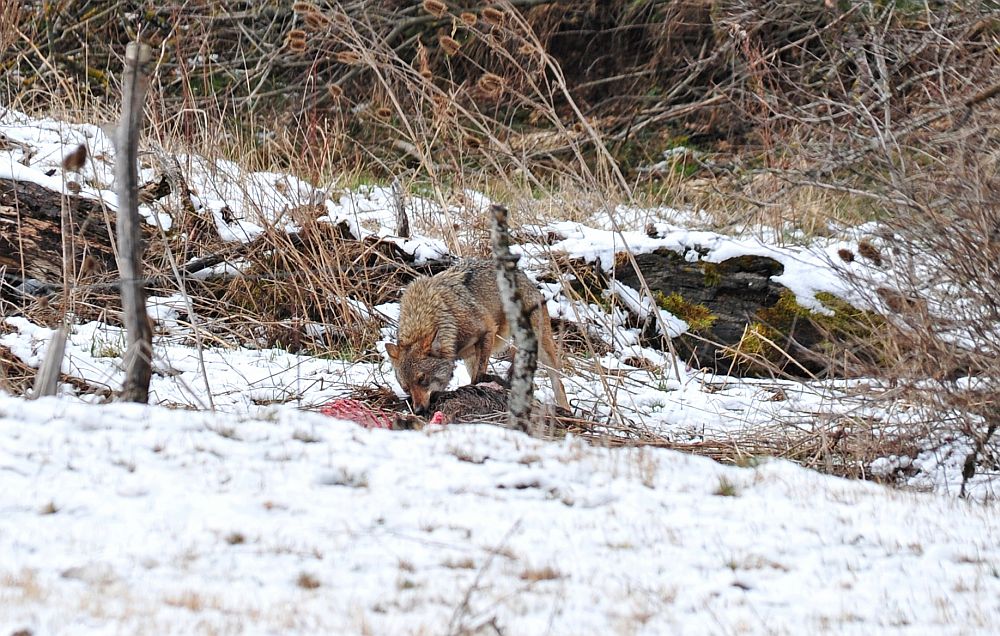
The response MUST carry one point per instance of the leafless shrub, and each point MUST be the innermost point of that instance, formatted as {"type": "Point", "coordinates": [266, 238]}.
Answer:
{"type": "Point", "coordinates": [941, 301]}
{"type": "Point", "coordinates": [914, 132]}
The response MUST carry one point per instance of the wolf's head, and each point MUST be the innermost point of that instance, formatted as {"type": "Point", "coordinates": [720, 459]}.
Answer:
{"type": "Point", "coordinates": [420, 369]}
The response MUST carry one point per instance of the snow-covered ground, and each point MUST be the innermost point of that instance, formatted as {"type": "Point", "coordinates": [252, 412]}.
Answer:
{"type": "Point", "coordinates": [661, 398]}
{"type": "Point", "coordinates": [264, 517]}
{"type": "Point", "coordinates": [133, 519]}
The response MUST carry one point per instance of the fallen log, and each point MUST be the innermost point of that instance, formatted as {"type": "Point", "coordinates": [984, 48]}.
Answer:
{"type": "Point", "coordinates": [31, 233]}
{"type": "Point", "coordinates": [740, 321]}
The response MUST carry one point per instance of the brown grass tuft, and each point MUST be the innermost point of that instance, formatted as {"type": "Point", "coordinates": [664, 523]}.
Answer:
{"type": "Point", "coordinates": [534, 575]}
{"type": "Point", "coordinates": [307, 581]}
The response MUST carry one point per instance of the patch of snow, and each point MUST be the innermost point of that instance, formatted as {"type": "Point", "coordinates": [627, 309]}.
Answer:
{"type": "Point", "coordinates": [644, 306]}
{"type": "Point", "coordinates": [130, 518]}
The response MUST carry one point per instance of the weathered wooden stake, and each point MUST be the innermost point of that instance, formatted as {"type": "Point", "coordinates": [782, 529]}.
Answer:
{"type": "Point", "coordinates": [402, 220]}
{"type": "Point", "coordinates": [47, 379]}
{"type": "Point", "coordinates": [138, 356]}
{"type": "Point", "coordinates": [521, 330]}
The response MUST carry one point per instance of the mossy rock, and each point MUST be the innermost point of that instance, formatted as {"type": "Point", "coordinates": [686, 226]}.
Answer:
{"type": "Point", "coordinates": [775, 339]}
{"type": "Point", "coordinates": [742, 322]}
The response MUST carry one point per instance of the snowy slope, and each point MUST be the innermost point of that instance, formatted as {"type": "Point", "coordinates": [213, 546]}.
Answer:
{"type": "Point", "coordinates": [133, 519]}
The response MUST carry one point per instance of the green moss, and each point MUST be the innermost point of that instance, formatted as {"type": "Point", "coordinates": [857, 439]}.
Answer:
{"type": "Point", "coordinates": [712, 272]}
{"type": "Point", "coordinates": [698, 317]}
{"type": "Point", "coordinates": [98, 75]}
{"type": "Point", "coordinates": [754, 342]}
{"type": "Point", "coordinates": [847, 320]}
{"type": "Point", "coordinates": [845, 324]}
{"type": "Point", "coordinates": [760, 341]}
{"type": "Point", "coordinates": [782, 315]}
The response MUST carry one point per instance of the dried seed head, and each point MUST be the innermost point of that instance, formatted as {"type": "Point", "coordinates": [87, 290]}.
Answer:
{"type": "Point", "coordinates": [435, 7]}
{"type": "Point", "coordinates": [303, 7]}
{"type": "Point", "coordinates": [315, 20]}
{"type": "Point", "coordinates": [75, 160]}
{"type": "Point", "coordinates": [383, 112]}
{"type": "Point", "coordinates": [491, 84]}
{"type": "Point", "coordinates": [423, 63]}
{"type": "Point", "coordinates": [442, 103]}
{"type": "Point", "coordinates": [335, 91]}
{"type": "Point", "coordinates": [468, 19]}
{"type": "Point", "coordinates": [348, 57]}
{"type": "Point", "coordinates": [296, 41]}
{"type": "Point", "coordinates": [493, 15]}
{"type": "Point", "coordinates": [845, 255]}
{"type": "Point", "coordinates": [869, 251]}
{"type": "Point", "coordinates": [449, 44]}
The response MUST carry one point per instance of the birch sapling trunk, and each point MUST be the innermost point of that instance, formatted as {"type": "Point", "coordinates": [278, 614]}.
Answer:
{"type": "Point", "coordinates": [519, 319]}
{"type": "Point", "coordinates": [138, 356]}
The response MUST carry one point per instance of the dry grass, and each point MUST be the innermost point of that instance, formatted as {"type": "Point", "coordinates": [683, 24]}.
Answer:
{"type": "Point", "coordinates": [307, 581]}
{"type": "Point", "coordinates": [536, 575]}
{"type": "Point", "coordinates": [25, 584]}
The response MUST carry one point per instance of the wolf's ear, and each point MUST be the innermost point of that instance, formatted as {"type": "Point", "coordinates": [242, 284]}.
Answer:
{"type": "Point", "coordinates": [393, 350]}
{"type": "Point", "coordinates": [437, 349]}
{"type": "Point", "coordinates": [426, 344]}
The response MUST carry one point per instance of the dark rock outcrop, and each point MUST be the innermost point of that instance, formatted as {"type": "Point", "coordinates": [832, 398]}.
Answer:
{"type": "Point", "coordinates": [740, 320]}
{"type": "Point", "coordinates": [733, 290]}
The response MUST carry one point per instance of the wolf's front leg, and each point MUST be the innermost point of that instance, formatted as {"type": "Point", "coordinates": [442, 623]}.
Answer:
{"type": "Point", "coordinates": [477, 362]}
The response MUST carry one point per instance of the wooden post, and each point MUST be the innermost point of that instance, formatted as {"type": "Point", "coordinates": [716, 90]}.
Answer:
{"type": "Point", "coordinates": [519, 319]}
{"type": "Point", "coordinates": [138, 356]}
{"type": "Point", "coordinates": [402, 220]}
{"type": "Point", "coordinates": [47, 380]}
